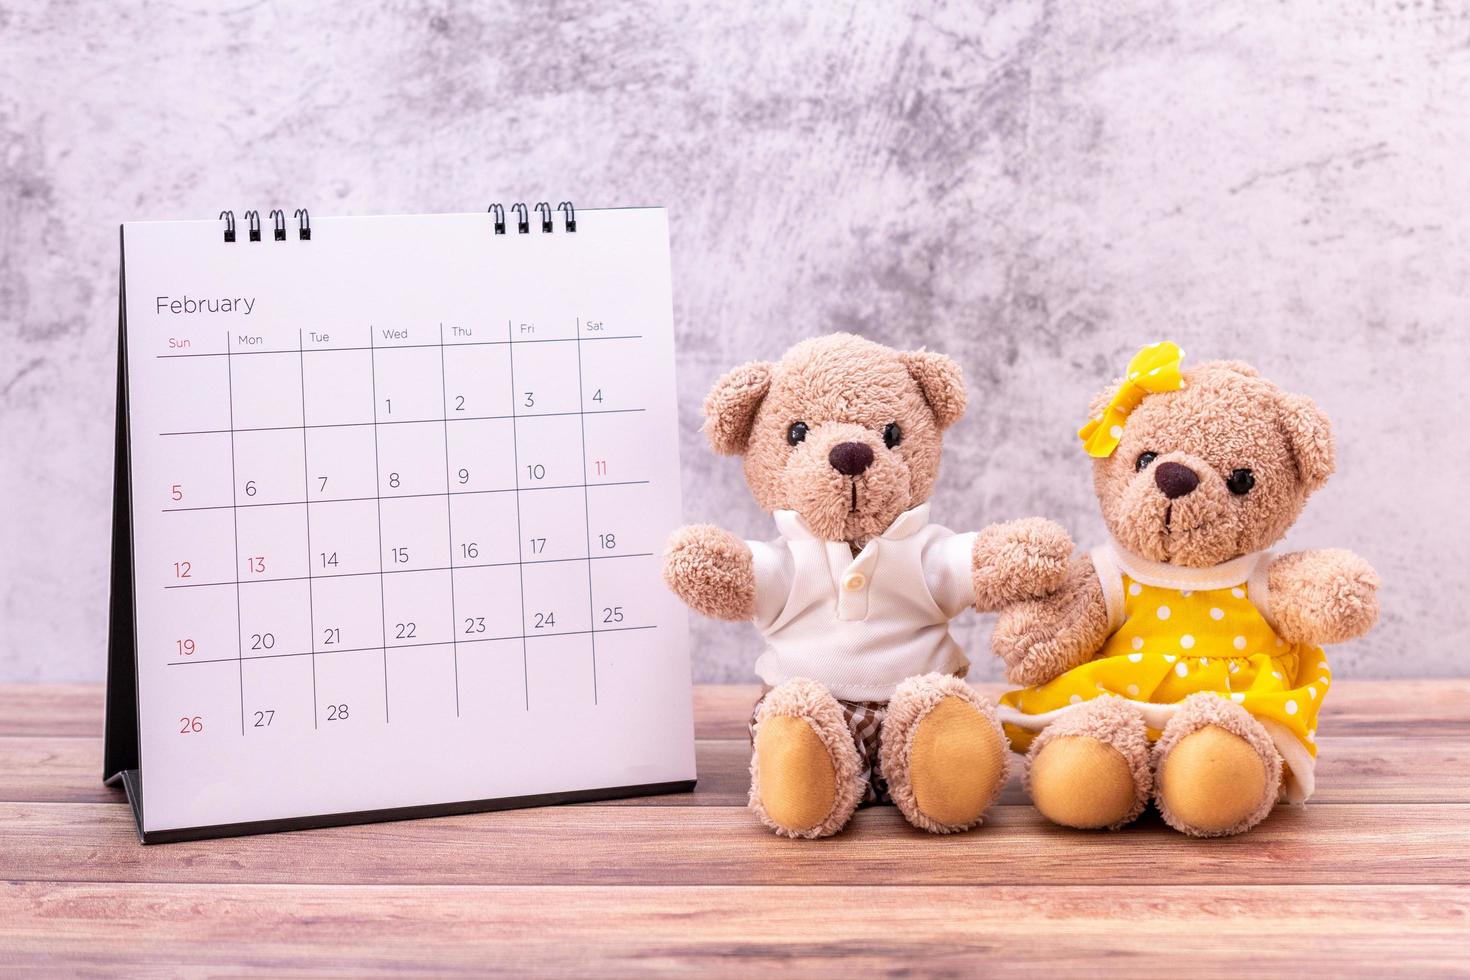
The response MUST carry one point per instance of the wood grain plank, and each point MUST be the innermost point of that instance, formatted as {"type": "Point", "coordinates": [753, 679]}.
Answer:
{"type": "Point", "coordinates": [73, 710]}
{"type": "Point", "coordinates": [1354, 707]}
{"type": "Point", "coordinates": [69, 770]}
{"type": "Point", "coordinates": [1352, 769]}
{"type": "Point", "coordinates": [721, 710]}
{"type": "Point", "coordinates": [1000, 930]}
{"type": "Point", "coordinates": [1411, 707]}
{"type": "Point", "coordinates": [53, 770]}
{"type": "Point", "coordinates": [1349, 843]}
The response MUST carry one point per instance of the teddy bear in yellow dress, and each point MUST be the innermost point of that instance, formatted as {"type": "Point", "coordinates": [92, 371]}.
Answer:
{"type": "Point", "coordinates": [1181, 661]}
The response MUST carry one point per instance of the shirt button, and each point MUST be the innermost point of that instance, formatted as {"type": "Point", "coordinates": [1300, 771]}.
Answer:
{"type": "Point", "coordinates": [854, 581]}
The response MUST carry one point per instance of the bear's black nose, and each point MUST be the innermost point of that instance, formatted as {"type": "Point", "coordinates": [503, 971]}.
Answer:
{"type": "Point", "coordinates": [850, 458]}
{"type": "Point", "coordinates": [1175, 479]}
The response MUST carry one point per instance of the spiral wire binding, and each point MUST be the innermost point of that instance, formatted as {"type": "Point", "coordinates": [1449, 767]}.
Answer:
{"type": "Point", "coordinates": [543, 209]}
{"type": "Point", "coordinates": [523, 218]}
{"type": "Point", "coordinates": [280, 233]}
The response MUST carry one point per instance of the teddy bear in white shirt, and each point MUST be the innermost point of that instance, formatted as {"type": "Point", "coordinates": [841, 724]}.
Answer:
{"type": "Point", "coordinates": [841, 442]}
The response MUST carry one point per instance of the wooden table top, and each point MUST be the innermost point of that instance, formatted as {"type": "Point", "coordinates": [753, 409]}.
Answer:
{"type": "Point", "coordinates": [1372, 876]}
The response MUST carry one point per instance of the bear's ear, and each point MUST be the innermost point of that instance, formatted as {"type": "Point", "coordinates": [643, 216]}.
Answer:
{"type": "Point", "coordinates": [941, 381]}
{"type": "Point", "coordinates": [1102, 399]}
{"type": "Point", "coordinates": [1309, 434]}
{"type": "Point", "coordinates": [730, 407]}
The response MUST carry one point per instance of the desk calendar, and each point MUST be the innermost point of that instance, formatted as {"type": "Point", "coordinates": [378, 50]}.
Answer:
{"type": "Point", "coordinates": [390, 496]}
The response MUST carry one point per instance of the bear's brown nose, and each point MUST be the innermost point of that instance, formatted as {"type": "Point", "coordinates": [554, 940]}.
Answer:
{"type": "Point", "coordinates": [1175, 479]}
{"type": "Point", "coordinates": [850, 458]}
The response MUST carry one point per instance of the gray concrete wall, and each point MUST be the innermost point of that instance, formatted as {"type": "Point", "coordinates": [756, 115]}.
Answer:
{"type": "Point", "coordinates": [1036, 188]}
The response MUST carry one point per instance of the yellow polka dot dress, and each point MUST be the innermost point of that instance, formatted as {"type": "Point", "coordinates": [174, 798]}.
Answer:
{"type": "Point", "coordinates": [1178, 631]}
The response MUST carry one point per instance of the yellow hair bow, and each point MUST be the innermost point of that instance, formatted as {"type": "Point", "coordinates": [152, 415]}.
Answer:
{"type": "Point", "coordinates": [1152, 370]}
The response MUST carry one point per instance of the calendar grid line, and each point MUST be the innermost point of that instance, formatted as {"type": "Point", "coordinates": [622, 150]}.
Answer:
{"type": "Point", "coordinates": [378, 481]}
{"type": "Point", "coordinates": [520, 553]}
{"type": "Point", "coordinates": [310, 591]}
{"type": "Point", "coordinates": [586, 513]}
{"type": "Point", "coordinates": [371, 346]}
{"type": "Point", "coordinates": [413, 646]}
{"type": "Point", "coordinates": [448, 515]}
{"type": "Point", "coordinates": [235, 515]}
{"type": "Point", "coordinates": [411, 571]}
{"type": "Point", "coordinates": [406, 496]}
{"type": "Point", "coordinates": [359, 425]}
{"type": "Point", "coordinates": [384, 567]}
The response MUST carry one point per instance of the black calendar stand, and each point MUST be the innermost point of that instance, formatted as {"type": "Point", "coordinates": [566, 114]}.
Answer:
{"type": "Point", "coordinates": [122, 763]}
{"type": "Point", "coordinates": [120, 739]}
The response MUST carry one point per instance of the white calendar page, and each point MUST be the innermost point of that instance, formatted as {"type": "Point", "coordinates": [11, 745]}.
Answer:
{"type": "Point", "coordinates": [398, 493]}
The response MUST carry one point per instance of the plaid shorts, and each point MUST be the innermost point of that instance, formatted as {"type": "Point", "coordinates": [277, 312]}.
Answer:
{"type": "Point", "coordinates": [865, 722]}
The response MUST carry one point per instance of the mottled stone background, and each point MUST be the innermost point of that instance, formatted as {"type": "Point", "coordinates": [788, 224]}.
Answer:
{"type": "Point", "coordinates": [1036, 188]}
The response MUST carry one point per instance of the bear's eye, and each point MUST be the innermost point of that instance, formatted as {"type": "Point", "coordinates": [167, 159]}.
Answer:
{"type": "Point", "coordinates": [892, 435]}
{"type": "Point", "coordinates": [1240, 482]}
{"type": "Point", "coordinates": [796, 433]}
{"type": "Point", "coordinates": [1144, 459]}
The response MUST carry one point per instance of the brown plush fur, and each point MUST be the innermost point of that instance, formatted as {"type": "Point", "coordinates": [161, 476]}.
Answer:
{"type": "Point", "coordinates": [1324, 596]}
{"type": "Point", "coordinates": [977, 769]}
{"type": "Point", "coordinates": [1032, 546]}
{"type": "Point", "coordinates": [1198, 712]}
{"type": "Point", "coordinates": [809, 701]}
{"type": "Point", "coordinates": [1109, 723]}
{"type": "Point", "coordinates": [1220, 421]}
{"type": "Point", "coordinates": [1226, 417]}
{"type": "Point", "coordinates": [846, 389]}
{"type": "Point", "coordinates": [712, 571]}
{"type": "Point", "coordinates": [1044, 638]}
{"type": "Point", "coordinates": [940, 380]}
{"type": "Point", "coordinates": [730, 407]}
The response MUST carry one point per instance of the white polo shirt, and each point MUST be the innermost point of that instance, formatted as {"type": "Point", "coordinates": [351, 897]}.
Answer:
{"type": "Point", "coordinates": [860, 625]}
